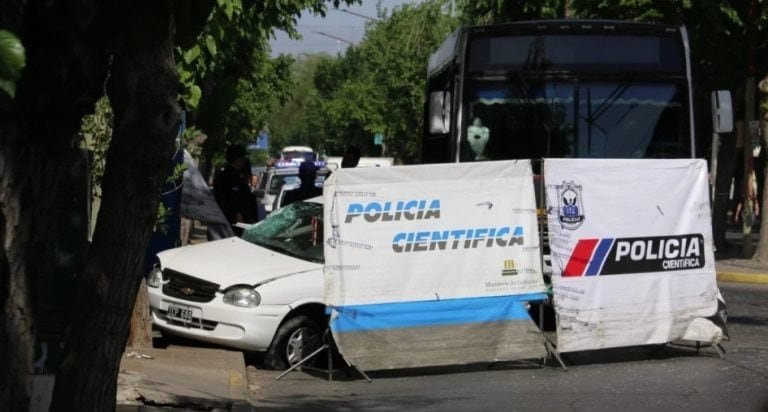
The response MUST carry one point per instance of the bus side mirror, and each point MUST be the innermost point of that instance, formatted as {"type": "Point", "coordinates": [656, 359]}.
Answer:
{"type": "Point", "coordinates": [439, 112]}
{"type": "Point", "coordinates": [722, 112]}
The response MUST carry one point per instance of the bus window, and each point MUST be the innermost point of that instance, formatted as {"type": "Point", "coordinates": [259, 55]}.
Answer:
{"type": "Point", "coordinates": [630, 120]}
{"type": "Point", "coordinates": [524, 120]}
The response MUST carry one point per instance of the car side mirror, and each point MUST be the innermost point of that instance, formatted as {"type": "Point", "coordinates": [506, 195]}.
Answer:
{"type": "Point", "coordinates": [722, 112]}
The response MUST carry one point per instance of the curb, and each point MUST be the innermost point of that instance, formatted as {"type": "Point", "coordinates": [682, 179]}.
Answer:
{"type": "Point", "coordinates": [742, 277]}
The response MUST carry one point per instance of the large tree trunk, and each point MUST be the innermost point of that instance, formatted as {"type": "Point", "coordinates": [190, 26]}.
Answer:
{"type": "Point", "coordinates": [63, 77]}
{"type": "Point", "coordinates": [143, 91]}
{"type": "Point", "coordinates": [140, 335]}
{"type": "Point", "coordinates": [761, 254]}
{"type": "Point", "coordinates": [16, 338]}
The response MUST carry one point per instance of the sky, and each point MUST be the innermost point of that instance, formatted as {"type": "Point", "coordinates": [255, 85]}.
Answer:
{"type": "Point", "coordinates": [346, 26]}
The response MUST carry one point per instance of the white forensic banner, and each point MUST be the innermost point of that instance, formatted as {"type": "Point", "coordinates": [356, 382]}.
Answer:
{"type": "Point", "coordinates": [431, 264]}
{"type": "Point", "coordinates": [632, 252]}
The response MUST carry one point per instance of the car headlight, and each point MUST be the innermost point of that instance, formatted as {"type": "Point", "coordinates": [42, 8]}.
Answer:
{"type": "Point", "coordinates": [155, 278]}
{"type": "Point", "coordinates": [243, 296]}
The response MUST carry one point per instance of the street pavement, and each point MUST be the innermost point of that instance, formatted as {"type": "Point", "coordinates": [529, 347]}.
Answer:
{"type": "Point", "coordinates": [209, 378]}
{"type": "Point", "coordinates": [182, 377]}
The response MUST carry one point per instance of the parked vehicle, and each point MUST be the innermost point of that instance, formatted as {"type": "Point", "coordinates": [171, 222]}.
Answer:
{"type": "Point", "coordinates": [261, 292]}
{"type": "Point", "coordinates": [298, 154]}
{"type": "Point", "coordinates": [334, 162]}
{"type": "Point", "coordinates": [283, 173]}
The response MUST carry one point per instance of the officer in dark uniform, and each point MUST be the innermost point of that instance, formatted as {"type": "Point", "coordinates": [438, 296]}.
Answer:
{"type": "Point", "coordinates": [307, 189]}
{"type": "Point", "coordinates": [230, 188]}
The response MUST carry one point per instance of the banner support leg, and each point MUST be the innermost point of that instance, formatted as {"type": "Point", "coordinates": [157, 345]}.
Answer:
{"type": "Point", "coordinates": [551, 349]}
{"type": "Point", "coordinates": [719, 349]}
{"type": "Point", "coordinates": [305, 360]}
{"type": "Point", "coordinates": [325, 346]}
{"type": "Point", "coordinates": [362, 373]}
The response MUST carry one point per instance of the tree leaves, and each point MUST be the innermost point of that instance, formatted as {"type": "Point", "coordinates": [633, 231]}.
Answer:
{"type": "Point", "coordinates": [12, 61]}
{"type": "Point", "coordinates": [376, 86]}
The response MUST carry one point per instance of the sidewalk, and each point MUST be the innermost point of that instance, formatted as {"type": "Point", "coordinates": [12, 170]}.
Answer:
{"type": "Point", "coordinates": [731, 266]}
{"type": "Point", "coordinates": [741, 271]}
{"type": "Point", "coordinates": [182, 377]}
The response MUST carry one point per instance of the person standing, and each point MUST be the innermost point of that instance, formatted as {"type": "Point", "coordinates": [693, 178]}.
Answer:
{"type": "Point", "coordinates": [307, 189]}
{"type": "Point", "coordinates": [230, 188]}
{"type": "Point", "coordinates": [351, 157]}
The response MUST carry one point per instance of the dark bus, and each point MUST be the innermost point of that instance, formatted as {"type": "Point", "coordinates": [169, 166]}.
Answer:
{"type": "Point", "coordinates": [567, 88]}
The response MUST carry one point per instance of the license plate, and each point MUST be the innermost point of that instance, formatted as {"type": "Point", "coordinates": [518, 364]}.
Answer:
{"type": "Point", "coordinates": [180, 313]}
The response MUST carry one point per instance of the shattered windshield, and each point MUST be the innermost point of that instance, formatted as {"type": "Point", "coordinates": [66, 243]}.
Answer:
{"type": "Point", "coordinates": [295, 230]}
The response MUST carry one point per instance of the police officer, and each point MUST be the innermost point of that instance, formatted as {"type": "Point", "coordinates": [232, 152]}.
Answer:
{"type": "Point", "coordinates": [307, 189]}
{"type": "Point", "coordinates": [230, 188]}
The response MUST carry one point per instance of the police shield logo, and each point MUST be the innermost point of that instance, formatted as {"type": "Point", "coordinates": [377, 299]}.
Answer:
{"type": "Point", "coordinates": [570, 209]}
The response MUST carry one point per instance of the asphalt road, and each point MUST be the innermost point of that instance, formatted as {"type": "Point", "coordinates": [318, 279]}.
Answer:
{"type": "Point", "coordinates": [659, 378]}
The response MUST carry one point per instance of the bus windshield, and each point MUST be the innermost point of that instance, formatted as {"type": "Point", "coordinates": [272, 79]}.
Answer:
{"type": "Point", "coordinates": [560, 88]}
{"type": "Point", "coordinates": [526, 118]}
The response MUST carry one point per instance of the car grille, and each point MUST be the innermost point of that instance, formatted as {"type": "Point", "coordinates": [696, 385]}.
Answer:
{"type": "Point", "coordinates": [189, 288]}
{"type": "Point", "coordinates": [194, 323]}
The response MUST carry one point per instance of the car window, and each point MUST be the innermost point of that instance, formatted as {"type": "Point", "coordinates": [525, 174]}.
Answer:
{"type": "Point", "coordinates": [295, 230]}
{"type": "Point", "coordinates": [279, 180]}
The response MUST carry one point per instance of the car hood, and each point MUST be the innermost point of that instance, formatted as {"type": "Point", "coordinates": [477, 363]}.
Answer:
{"type": "Point", "coordinates": [233, 261]}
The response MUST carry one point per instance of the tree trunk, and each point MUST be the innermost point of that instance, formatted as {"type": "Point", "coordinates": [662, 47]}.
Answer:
{"type": "Point", "coordinates": [140, 335]}
{"type": "Point", "coordinates": [761, 255]}
{"type": "Point", "coordinates": [143, 89]}
{"type": "Point", "coordinates": [63, 77]}
{"type": "Point", "coordinates": [16, 337]}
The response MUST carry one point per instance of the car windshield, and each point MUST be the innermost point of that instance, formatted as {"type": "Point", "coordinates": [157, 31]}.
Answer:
{"type": "Point", "coordinates": [295, 230]}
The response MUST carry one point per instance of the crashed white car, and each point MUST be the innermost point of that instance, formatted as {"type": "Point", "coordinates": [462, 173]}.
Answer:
{"type": "Point", "coordinates": [261, 292]}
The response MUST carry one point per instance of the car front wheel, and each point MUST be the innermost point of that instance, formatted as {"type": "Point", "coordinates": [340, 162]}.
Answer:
{"type": "Point", "coordinates": [296, 339]}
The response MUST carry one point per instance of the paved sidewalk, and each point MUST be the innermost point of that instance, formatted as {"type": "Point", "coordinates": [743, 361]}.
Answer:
{"type": "Point", "coordinates": [182, 377]}
{"type": "Point", "coordinates": [741, 271]}
{"type": "Point", "coordinates": [731, 266]}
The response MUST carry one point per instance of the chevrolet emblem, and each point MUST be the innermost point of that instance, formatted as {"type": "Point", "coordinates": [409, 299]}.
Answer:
{"type": "Point", "coordinates": [187, 291]}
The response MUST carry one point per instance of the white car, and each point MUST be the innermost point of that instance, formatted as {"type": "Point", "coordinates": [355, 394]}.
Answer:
{"type": "Point", "coordinates": [261, 292]}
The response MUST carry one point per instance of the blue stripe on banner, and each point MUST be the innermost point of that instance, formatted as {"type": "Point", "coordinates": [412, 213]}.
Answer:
{"type": "Point", "coordinates": [599, 257]}
{"type": "Point", "coordinates": [432, 313]}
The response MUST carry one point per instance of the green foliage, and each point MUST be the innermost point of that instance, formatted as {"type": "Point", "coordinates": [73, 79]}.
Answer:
{"type": "Point", "coordinates": [96, 133]}
{"type": "Point", "coordinates": [176, 175]}
{"type": "Point", "coordinates": [161, 219]}
{"type": "Point", "coordinates": [483, 12]}
{"type": "Point", "coordinates": [288, 122]}
{"type": "Point", "coordinates": [231, 83]}
{"type": "Point", "coordinates": [12, 62]}
{"type": "Point", "coordinates": [375, 87]}
{"type": "Point", "coordinates": [658, 11]}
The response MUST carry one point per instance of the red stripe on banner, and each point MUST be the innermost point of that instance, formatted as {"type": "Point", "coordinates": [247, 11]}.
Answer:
{"type": "Point", "coordinates": [580, 257]}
